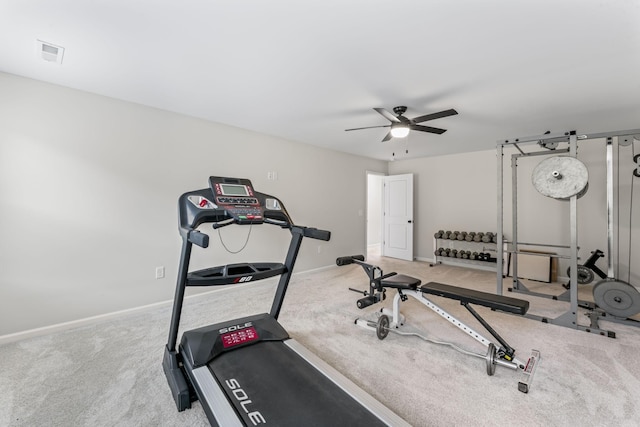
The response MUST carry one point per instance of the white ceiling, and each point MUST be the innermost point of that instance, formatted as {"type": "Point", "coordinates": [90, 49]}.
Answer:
{"type": "Point", "coordinates": [305, 71]}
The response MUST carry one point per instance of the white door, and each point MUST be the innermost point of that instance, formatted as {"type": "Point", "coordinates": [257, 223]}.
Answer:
{"type": "Point", "coordinates": [398, 217]}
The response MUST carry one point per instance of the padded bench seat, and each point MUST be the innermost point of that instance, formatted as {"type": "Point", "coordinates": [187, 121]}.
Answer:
{"type": "Point", "coordinates": [400, 281]}
{"type": "Point", "coordinates": [493, 301]}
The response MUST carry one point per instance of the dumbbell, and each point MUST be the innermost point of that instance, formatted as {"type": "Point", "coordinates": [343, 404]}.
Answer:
{"type": "Point", "coordinates": [439, 234]}
{"type": "Point", "coordinates": [462, 235]}
{"type": "Point", "coordinates": [478, 237]}
{"type": "Point", "coordinates": [469, 236]}
{"type": "Point", "coordinates": [453, 253]}
{"type": "Point", "coordinates": [487, 237]}
{"type": "Point", "coordinates": [446, 235]}
{"type": "Point", "coordinates": [474, 256]}
{"type": "Point", "coordinates": [466, 254]}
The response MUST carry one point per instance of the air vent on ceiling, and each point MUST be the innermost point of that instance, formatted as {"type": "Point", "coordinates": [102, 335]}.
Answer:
{"type": "Point", "coordinates": [49, 51]}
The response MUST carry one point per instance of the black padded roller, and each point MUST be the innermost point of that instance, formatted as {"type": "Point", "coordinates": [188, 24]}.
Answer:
{"type": "Point", "coordinates": [346, 260]}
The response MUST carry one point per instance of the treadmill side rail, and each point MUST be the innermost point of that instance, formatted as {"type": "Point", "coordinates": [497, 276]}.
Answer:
{"type": "Point", "coordinates": [217, 405]}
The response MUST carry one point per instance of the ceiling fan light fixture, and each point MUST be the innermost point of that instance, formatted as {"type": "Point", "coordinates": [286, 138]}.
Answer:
{"type": "Point", "coordinates": [399, 130]}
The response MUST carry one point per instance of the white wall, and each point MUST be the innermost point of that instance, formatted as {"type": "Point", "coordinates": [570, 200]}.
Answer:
{"type": "Point", "coordinates": [374, 209]}
{"type": "Point", "coordinates": [88, 195]}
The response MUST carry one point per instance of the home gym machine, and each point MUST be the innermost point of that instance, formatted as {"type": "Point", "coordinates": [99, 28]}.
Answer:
{"type": "Point", "coordinates": [564, 177]}
{"type": "Point", "coordinates": [497, 354]}
{"type": "Point", "coordinates": [248, 371]}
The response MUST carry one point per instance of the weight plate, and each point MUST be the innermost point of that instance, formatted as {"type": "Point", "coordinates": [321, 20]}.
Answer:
{"type": "Point", "coordinates": [382, 328]}
{"type": "Point", "coordinates": [560, 177]}
{"type": "Point", "coordinates": [585, 275]}
{"type": "Point", "coordinates": [617, 298]}
{"type": "Point", "coordinates": [491, 359]}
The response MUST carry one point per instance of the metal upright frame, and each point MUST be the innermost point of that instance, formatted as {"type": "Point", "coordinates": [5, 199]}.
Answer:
{"type": "Point", "coordinates": [569, 318]}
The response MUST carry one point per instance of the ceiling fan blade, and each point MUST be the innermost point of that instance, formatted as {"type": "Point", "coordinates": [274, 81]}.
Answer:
{"type": "Point", "coordinates": [387, 115]}
{"type": "Point", "coordinates": [433, 116]}
{"type": "Point", "coordinates": [369, 127]}
{"type": "Point", "coordinates": [428, 129]}
{"type": "Point", "coordinates": [388, 137]}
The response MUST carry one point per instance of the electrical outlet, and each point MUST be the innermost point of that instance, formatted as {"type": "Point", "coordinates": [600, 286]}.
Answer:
{"type": "Point", "coordinates": [160, 272]}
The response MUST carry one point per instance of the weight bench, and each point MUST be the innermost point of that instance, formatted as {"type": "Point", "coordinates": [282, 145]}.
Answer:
{"type": "Point", "coordinates": [471, 296]}
{"type": "Point", "coordinates": [407, 286]}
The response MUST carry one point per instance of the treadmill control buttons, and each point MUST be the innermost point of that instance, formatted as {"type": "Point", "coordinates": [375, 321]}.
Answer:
{"type": "Point", "coordinates": [238, 200]}
{"type": "Point", "coordinates": [238, 337]}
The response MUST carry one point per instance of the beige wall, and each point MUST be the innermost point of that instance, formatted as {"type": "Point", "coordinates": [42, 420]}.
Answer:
{"type": "Point", "coordinates": [89, 185]}
{"type": "Point", "coordinates": [455, 192]}
{"type": "Point", "coordinates": [88, 195]}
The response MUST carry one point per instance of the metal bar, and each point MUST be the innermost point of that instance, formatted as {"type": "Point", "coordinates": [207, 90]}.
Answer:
{"type": "Point", "coordinates": [550, 137]}
{"type": "Point", "coordinates": [613, 133]}
{"type": "Point", "coordinates": [488, 327]}
{"type": "Point", "coordinates": [565, 136]}
{"type": "Point", "coordinates": [610, 272]}
{"type": "Point", "coordinates": [181, 284]}
{"type": "Point", "coordinates": [514, 214]}
{"type": "Point", "coordinates": [542, 244]}
{"type": "Point", "coordinates": [540, 254]}
{"type": "Point", "coordinates": [283, 283]}
{"type": "Point", "coordinates": [542, 153]}
{"type": "Point", "coordinates": [500, 237]}
{"type": "Point", "coordinates": [573, 212]}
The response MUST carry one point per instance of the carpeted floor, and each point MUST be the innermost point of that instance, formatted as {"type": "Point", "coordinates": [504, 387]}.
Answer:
{"type": "Point", "coordinates": [110, 374]}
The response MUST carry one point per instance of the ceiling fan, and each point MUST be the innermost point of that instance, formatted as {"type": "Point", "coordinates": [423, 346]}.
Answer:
{"type": "Point", "coordinates": [401, 125]}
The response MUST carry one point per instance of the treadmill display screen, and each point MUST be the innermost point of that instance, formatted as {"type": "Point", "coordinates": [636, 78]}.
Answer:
{"type": "Point", "coordinates": [234, 190]}
{"type": "Point", "coordinates": [237, 337]}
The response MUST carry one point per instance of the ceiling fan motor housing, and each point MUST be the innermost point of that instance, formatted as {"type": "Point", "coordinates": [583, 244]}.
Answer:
{"type": "Point", "coordinates": [400, 110]}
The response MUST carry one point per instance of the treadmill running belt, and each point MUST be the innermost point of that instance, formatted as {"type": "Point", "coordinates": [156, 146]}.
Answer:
{"type": "Point", "coordinates": [269, 381]}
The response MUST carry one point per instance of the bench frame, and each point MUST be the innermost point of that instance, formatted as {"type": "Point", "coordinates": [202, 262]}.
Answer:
{"type": "Point", "coordinates": [505, 351]}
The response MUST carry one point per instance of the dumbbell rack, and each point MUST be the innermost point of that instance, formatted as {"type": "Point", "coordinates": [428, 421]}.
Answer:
{"type": "Point", "coordinates": [474, 246]}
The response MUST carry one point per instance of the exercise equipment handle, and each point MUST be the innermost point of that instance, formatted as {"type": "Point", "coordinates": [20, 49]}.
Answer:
{"type": "Point", "coordinates": [346, 260]}
{"type": "Point", "coordinates": [315, 233]}
{"type": "Point", "coordinates": [198, 238]}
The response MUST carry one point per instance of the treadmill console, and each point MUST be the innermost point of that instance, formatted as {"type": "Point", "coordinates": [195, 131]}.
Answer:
{"type": "Point", "coordinates": [237, 198]}
{"type": "Point", "coordinates": [229, 201]}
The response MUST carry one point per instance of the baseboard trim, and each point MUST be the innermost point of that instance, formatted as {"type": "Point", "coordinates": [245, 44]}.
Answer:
{"type": "Point", "coordinates": [72, 324]}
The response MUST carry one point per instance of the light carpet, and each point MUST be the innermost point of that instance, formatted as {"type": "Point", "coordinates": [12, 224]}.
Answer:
{"type": "Point", "coordinates": [110, 373]}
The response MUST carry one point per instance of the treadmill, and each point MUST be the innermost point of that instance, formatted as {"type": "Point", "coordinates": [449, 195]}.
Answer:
{"type": "Point", "coordinates": [248, 371]}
